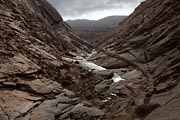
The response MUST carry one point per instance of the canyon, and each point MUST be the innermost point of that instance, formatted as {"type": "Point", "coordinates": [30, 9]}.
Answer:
{"type": "Point", "coordinates": [45, 73]}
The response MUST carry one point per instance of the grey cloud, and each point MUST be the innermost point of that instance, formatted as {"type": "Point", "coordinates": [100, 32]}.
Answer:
{"type": "Point", "coordinates": [78, 7]}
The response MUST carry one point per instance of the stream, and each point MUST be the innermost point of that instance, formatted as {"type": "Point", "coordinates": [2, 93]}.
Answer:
{"type": "Point", "coordinates": [90, 65]}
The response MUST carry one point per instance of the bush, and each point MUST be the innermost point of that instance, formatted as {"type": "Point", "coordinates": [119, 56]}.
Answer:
{"type": "Point", "coordinates": [145, 109]}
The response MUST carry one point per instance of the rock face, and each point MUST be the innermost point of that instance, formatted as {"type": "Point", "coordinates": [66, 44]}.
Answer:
{"type": "Point", "coordinates": [148, 41]}
{"type": "Point", "coordinates": [93, 30]}
{"type": "Point", "coordinates": [148, 37]}
{"type": "Point", "coordinates": [36, 84]}
{"type": "Point", "coordinates": [33, 38]}
{"type": "Point", "coordinates": [41, 21]}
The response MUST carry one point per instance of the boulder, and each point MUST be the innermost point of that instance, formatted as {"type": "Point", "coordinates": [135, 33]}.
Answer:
{"type": "Point", "coordinates": [91, 111]}
{"type": "Point", "coordinates": [41, 86]}
{"type": "Point", "coordinates": [131, 75]}
{"type": "Point", "coordinates": [16, 103]}
{"type": "Point", "coordinates": [18, 64]}
{"type": "Point", "coordinates": [103, 86]}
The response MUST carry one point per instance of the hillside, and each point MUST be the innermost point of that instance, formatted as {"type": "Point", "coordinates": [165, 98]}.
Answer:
{"type": "Point", "coordinates": [147, 41]}
{"type": "Point", "coordinates": [48, 73]}
{"type": "Point", "coordinates": [33, 76]}
{"type": "Point", "coordinates": [91, 30]}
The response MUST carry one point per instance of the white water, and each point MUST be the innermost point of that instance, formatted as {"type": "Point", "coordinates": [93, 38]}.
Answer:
{"type": "Point", "coordinates": [90, 65]}
{"type": "Point", "coordinates": [84, 63]}
{"type": "Point", "coordinates": [116, 78]}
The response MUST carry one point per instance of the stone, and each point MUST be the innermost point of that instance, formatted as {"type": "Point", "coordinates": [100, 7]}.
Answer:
{"type": "Point", "coordinates": [134, 74]}
{"type": "Point", "coordinates": [2, 80]}
{"type": "Point", "coordinates": [27, 96]}
{"type": "Point", "coordinates": [50, 109]}
{"type": "Point", "coordinates": [121, 71]}
{"type": "Point", "coordinates": [105, 73]}
{"type": "Point", "coordinates": [47, 110]}
{"type": "Point", "coordinates": [12, 84]}
{"type": "Point", "coordinates": [68, 93]}
{"type": "Point", "coordinates": [91, 111]}
{"type": "Point", "coordinates": [163, 87]}
{"type": "Point", "coordinates": [140, 100]}
{"type": "Point", "coordinates": [165, 97]}
{"type": "Point", "coordinates": [42, 86]}
{"type": "Point", "coordinates": [3, 115]}
{"type": "Point", "coordinates": [15, 105]}
{"type": "Point", "coordinates": [103, 86]}
{"type": "Point", "coordinates": [170, 111]}
{"type": "Point", "coordinates": [121, 89]}
{"type": "Point", "coordinates": [34, 39]}
{"type": "Point", "coordinates": [1, 75]}
{"type": "Point", "coordinates": [63, 99]}
{"type": "Point", "coordinates": [19, 64]}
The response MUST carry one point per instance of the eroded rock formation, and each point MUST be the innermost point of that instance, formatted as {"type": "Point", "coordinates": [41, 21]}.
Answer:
{"type": "Point", "coordinates": [33, 38]}
{"type": "Point", "coordinates": [148, 40]}
{"type": "Point", "coordinates": [36, 84]}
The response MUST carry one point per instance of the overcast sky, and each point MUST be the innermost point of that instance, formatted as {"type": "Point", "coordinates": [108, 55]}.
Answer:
{"type": "Point", "coordinates": [94, 9]}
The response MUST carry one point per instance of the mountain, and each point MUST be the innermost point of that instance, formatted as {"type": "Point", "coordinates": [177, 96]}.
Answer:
{"type": "Point", "coordinates": [80, 23]}
{"type": "Point", "coordinates": [148, 42]}
{"type": "Point", "coordinates": [41, 59]}
{"type": "Point", "coordinates": [91, 30]}
{"type": "Point", "coordinates": [33, 76]}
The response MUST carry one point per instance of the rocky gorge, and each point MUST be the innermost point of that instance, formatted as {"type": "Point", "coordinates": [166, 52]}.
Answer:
{"type": "Point", "coordinates": [37, 83]}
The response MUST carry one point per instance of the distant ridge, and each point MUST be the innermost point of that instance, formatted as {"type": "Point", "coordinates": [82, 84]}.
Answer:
{"type": "Point", "coordinates": [91, 30]}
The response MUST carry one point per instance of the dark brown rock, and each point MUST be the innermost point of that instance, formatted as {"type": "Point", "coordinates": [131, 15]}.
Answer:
{"type": "Point", "coordinates": [165, 97]}
{"type": "Point", "coordinates": [103, 86]}
{"type": "Point", "coordinates": [18, 64]}
{"type": "Point", "coordinates": [37, 84]}
{"type": "Point", "coordinates": [169, 111]}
